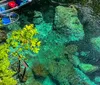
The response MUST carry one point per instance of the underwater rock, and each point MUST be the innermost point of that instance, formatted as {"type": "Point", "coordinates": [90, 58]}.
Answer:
{"type": "Point", "coordinates": [65, 73]}
{"type": "Point", "coordinates": [67, 23]}
{"type": "Point", "coordinates": [71, 49]}
{"type": "Point", "coordinates": [48, 14]}
{"type": "Point", "coordinates": [70, 53]}
{"type": "Point", "coordinates": [96, 43]}
{"type": "Point", "coordinates": [97, 79]}
{"type": "Point", "coordinates": [85, 78]}
{"type": "Point", "coordinates": [32, 81]}
{"type": "Point", "coordinates": [53, 68]}
{"type": "Point", "coordinates": [39, 70]}
{"type": "Point", "coordinates": [90, 20]}
{"type": "Point", "coordinates": [38, 18]}
{"type": "Point", "coordinates": [24, 19]}
{"type": "Point", "coordinates": [49, 49]}
{"type": "Point", "coordinates": [48, 81]}
{"type": "Point", "coordinates": [42, 27]}
{"type": "Point", "coordinates": [2, 35]}
{"type": "Point", "coordinates": [84, 53]}
{"type": "Point", "coordinates": [13, 26]}
{"type": "Point", "coordinates": [88, 67]}
{"type": "Point", "coordinates": [74, 60]}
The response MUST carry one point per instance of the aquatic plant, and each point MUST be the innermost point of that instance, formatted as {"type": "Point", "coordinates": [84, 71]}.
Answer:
{"type": "Point", "coordinates": [24, 39]}
{"type": "Point", "coordinates": [21, 41]}
{"type": "Point", "coordinates": [5, 72]}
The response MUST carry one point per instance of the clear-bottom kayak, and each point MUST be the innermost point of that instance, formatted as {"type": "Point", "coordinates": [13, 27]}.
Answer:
{"type": "Point", "coordinates": [8, 18]}
{"type": "Point", "coordinates": [10, 5]}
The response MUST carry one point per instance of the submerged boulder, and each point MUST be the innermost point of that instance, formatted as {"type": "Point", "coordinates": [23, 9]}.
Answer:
{"type": "Point", "coordinates": [38, 18]}
{"type": "Point", "coordinates": [42, 27]}
{"type": "Point", "coordinates": [66, 23]}
{"type": "Point", "coordinates": [96, 43]}
{"type": "Point", "coordinates": [97, 79]}
{"type": "Point", "coordinates": [67, 74]}
{"type": "Point", "coordinates": [90, 20]}
{"type": "Point", "coordinates": [48, 81]}
{"type": "Point", "coordinates": [88, 67]}
{"type": "Point", "coordinates": [71, 49]}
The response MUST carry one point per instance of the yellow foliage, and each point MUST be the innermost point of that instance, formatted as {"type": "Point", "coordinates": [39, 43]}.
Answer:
{"type": "Point", "coordinates": [25, 39]}
{"type": "Point", "coordinates": [8, 81]}
{"type": "Point", "coordinates": [21, 40]}
{"type": "Point", "coordinates": [5, 73]}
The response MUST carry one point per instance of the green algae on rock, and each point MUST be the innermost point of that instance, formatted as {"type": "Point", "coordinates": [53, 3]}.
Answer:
{"type": "Point", "coordinates": [96, 43]}
{"type": "Point", "coordinates": [71, 49]}
{"type": "Point", "coordinates": [64, 70]}
{"type": "Point", "coordinates": [39, 70]}
{"type": "Point", "coordinates": [97, 79]}
{"type": "Point", "coordinates": [42, 27]}
{"type": "Point", "coordinates": [48, 81]}
{"type": "Point", "coordinates": [88, 67]}
{"type": "Point", "coordinates": [14, 26]}
{"type": "Point", "coordinates": [67, 23]}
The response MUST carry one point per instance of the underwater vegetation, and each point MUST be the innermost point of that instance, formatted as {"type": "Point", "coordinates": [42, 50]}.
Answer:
{"type": "Point", "coordinates": [16, 44]}
{"type": "Point", "coordinates": [5, 72]}
{"type": "Point", "coordinates": [54, 42]}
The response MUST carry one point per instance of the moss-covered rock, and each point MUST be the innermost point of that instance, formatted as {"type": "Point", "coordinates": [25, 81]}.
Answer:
{"type": "Point", "coordinates": [38, 18]}
{"type": "Point", "coordinates": [88, 67]}
{"type": "Point", "coordinates": [39, 70]}
{"type": "Point", "coordinates": [67, 23]}
{"type": "Point", "coordinates": [48, 81]}
{"type": "Point", "coordinates": [13, 26]}
{"type": "Point", "coordinates": [71, 49]}
{"type": "Point", "coordinates": [65, 72]}
{"type": "Point", "coordinates": [97, 79]}
{"type": "Point", "coordinates": [96, 43]}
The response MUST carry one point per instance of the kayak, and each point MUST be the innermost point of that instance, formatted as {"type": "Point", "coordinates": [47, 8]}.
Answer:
{"type": "Point", "coordinates": [7, 16]}
{"type": "Point", "coordinates": [7, 6]}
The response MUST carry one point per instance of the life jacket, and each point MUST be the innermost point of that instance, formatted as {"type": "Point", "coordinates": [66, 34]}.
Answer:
{"type": "Point", "coordinates": [12, 4]}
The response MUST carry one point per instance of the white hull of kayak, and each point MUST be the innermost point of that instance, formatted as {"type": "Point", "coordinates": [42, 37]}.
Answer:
{"type": "Point", "coordinates": [11, 9]}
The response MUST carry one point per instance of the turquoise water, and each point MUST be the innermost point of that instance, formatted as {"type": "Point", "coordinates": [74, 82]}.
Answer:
{"type": "Point", "coordinates": [54, 42]}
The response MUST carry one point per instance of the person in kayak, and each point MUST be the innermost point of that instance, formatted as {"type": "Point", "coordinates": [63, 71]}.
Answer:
{"type": "Point", "coordinates": [6, 10]}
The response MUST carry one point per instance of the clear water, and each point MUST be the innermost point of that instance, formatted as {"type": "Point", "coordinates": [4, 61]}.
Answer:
{"type": "Point", "coordinates": [68, 46]}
